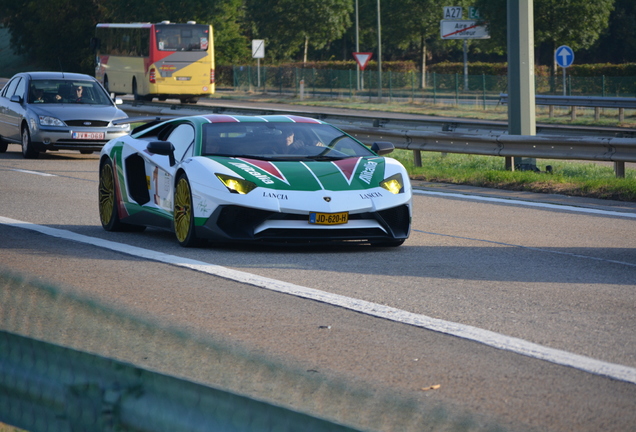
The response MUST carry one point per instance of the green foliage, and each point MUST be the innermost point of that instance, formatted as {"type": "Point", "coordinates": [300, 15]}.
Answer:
{"type": "Point", "coordinates": [290, 26]}
{"type": "Point", "coordinates": [582, 70]}
{"type": "Point", "coordinates": [36, 30]}
{"type": "Point", "coordinates": [474, 68]}
{"type": "Point", "coordinates": [55, 34]}
{"type": "Point", "coordinates": [576, 23]}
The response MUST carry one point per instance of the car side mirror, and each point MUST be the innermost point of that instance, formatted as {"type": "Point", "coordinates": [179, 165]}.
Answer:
{"type": "Point", "coordinates": [163, 148]}
{"type": "Point", "coordinates": [16, 98]}
{"type": "Point", "coordinates": [382, 147]}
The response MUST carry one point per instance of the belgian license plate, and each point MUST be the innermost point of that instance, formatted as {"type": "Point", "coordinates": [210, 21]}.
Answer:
{"type": "Point", "coordinates": [181, 78]}
{"type": "Point", "coordinates": [88, 135]}
{"type": "Point", "coordinates": [329, 218]}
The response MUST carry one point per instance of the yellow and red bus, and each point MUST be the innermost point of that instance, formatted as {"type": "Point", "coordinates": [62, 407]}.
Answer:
{"type": "Point", "coordinates": [163, 60]}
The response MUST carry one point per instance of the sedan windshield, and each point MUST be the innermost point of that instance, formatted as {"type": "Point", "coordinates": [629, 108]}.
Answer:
{"type": "Point", "coordinates": [281, 141]}
{"type": "Point", "coordinates": [67, 91]}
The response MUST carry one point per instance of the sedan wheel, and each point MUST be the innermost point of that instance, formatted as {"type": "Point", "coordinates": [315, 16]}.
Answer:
{"type": "Point", "coordinates": [3, 145]}
{"type": "Point", "coordinates": [184, 214]}
{"type": "Point", "coordinates": [27, 146]}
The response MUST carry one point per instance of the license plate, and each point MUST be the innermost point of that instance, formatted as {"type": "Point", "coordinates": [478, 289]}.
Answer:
{"type": "Point", "coordinates": [183, 78]}
{"type": "Point", "coordinates": [88, 135]}
{"type": "Point", "coordinates": [329, 218]}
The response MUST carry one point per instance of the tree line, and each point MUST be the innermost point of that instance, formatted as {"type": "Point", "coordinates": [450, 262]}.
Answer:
{"type": "Point", "coordinates": [55, 34]}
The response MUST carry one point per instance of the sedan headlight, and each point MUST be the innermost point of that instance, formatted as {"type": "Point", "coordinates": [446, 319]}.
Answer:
{"type": "Point", "coordinates": [236, 185]}
{"type": "Point", "coordinates": [51, 121]}
{"type": "Point", "coordinates": [123, 126]}
{"type": "Point", "coordinates": [394, 184]}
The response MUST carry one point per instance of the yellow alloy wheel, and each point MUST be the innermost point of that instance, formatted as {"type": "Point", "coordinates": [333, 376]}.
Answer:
{"type": "Point", "coordinates": [106, 194]}
{"type": "Point", "coordinates": [183, 217]}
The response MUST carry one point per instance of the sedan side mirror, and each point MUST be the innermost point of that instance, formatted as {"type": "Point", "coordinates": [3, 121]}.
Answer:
{"type": "Point", "coordinates": [163, 148]}
{"type": "Point", "coordinates": [382, 147]}
{"type": "Point", "coordinates": [16, 98]}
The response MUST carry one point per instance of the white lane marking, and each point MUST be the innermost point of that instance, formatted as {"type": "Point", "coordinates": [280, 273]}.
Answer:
{"type": "Point", "coordinates": [486, 337]}
{"type": "Point", "coordinates": [34, 172]}
{"type": "Point", "coordinates": [527, 203]}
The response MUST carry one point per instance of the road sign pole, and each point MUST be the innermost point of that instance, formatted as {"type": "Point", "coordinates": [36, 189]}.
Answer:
{"type": "Point", "coordinates": [564, 82]}
{"type": "Point", "coordinates": [379, 56]}
{"type": "Point", "coordinates": [357, 48]}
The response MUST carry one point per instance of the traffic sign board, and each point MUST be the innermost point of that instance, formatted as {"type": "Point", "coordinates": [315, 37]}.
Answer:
{"type": "Point", "coordinates": [473, 13]}
{"type": "Point", "coordinates": [463, 29]}
{"type": "Point", "coordinates": [453, 12]}
{"type": "Point", "coordinates": [362, 58]}
{"type": "Point", "coordinates": [564, 56]}
{"type": "Point", "coordinates": [258, 48]}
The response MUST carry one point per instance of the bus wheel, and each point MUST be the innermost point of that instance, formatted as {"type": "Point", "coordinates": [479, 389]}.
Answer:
{"type": "Point", "coordinates": [136, 94]}
{"type": "Point", "coordinates": [192, 100]}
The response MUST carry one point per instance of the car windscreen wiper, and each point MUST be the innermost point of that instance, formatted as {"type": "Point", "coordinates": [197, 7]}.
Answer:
{"type": "Point", "coordinates": [326, 157]}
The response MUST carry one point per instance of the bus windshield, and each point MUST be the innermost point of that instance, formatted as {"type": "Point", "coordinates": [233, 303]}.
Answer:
{"type": "Point", "coordinates": [186, 37]}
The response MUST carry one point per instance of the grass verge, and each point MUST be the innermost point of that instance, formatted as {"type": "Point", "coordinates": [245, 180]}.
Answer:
{"type": "Point", "coordinates": [585, 179]}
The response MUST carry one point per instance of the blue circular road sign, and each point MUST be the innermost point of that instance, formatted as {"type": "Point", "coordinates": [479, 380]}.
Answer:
{"type": "Point", "coordinates": [564, 56]}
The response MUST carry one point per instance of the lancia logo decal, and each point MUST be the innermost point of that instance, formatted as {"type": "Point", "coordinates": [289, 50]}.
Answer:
{"type": "Point", "coordinates": [328, 199]}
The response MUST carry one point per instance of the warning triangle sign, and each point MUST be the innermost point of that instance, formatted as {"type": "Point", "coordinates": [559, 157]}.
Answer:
{"type": "Point", "coordinates": [362, 58]}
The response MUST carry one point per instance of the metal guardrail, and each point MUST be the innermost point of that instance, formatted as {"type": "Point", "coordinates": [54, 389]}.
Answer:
{"type": "Point", "coordinates": [45, 387]}
{"type": "Point", "coordinates": [617, 150]}
{"type": "Point", "coordinates": [581, 101]}
{"type": "Point", "coordinates": [596, 102]}
{"type": "Point", "coordinates": [616, 145]}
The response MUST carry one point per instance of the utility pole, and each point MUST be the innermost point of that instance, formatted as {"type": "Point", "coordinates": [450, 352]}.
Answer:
{"type": "Point", "coordinates": [521, 93]}
{"type": "Point", "coordinates": [379, 56]}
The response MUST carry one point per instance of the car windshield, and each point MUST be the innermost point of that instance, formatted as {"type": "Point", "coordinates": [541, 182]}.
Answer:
{"type": "Point", "coordinates": [280, 141]}
{"type": "Point", "coordinates": [67, 91]}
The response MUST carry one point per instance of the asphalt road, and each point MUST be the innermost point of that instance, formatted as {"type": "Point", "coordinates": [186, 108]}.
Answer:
{"type": "Point", "coordinates": [489, 297]}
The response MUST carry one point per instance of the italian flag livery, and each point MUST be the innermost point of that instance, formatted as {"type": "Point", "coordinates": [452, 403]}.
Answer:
{"type": "Point", "coordinates": [243, 178]}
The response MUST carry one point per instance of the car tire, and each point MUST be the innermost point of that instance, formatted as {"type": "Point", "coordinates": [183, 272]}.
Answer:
{"type": "Point", "coordinates": [3, 145]}
{"type": "Point", "coordinates": [108, 211]}
{"type": "Point", "coordinates": [27, 146]}
{"type": "Point", "coordinates": [183, 214]}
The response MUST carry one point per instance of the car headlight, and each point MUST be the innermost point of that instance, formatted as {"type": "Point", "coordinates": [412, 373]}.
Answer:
{"type": "Point", "coordinates": [236, 185]}
{"type": "Point", "coordinates": [51, 121]}
{"type": "Point", "coordinates": [123, 126]}
{"type": "Point", "coordinates": [393, 184]}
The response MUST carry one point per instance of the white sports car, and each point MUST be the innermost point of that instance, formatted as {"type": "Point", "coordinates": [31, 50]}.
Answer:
{"type": "Point", "coordinates": [242, 178]}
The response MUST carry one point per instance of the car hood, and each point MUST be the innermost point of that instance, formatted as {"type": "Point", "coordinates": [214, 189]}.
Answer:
{"type": "Point", "coordinates": [66, 112]}
{"type": "Point", "coordinates": [355, 173]}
